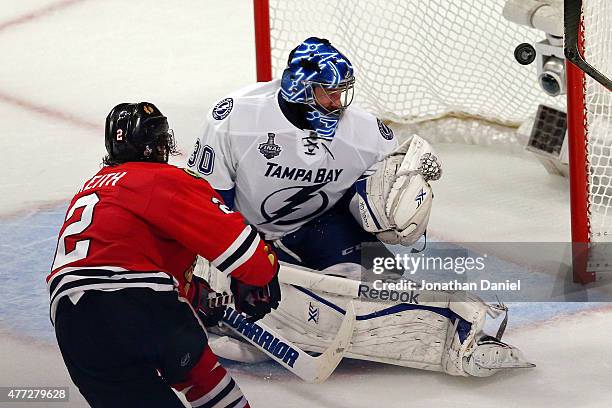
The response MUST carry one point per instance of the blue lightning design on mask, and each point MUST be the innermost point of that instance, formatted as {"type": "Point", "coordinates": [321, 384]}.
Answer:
{"type": "Point", "coordinates": [315, 62]}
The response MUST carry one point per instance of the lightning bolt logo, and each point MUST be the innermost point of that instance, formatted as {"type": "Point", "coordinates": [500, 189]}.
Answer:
{"type": "Point", "coordinates": [294, 203]}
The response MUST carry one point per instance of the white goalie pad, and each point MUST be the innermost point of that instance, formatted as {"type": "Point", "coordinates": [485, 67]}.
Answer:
{"type": "Point", "coordinates": [395, 201]}
{"type": "Point", "coordinates": [437, 331]}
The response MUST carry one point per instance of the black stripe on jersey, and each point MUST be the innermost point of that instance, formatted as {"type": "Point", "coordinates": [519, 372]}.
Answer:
{"type": "Point", "coordinates": [102, 273]}
{"type": "Point", "coordinates": [109, 283]}
{"type": "Point", "coordinates": [246, 244]}
{"type": "Point", "coordinates": [222, 394]}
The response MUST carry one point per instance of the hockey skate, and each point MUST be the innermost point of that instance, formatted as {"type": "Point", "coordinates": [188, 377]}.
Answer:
{"type": "Point", "coordinates": [492, 355]}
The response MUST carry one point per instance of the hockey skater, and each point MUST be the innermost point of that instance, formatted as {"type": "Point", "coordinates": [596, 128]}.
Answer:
{"type": "Point", "coordinates": [124, 301]}
{"type": "Point", "coordinates": [318, 177]}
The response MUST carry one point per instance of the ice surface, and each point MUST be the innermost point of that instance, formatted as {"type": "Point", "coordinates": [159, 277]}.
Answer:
{"type": "Point", "coordinates": [64, 68]}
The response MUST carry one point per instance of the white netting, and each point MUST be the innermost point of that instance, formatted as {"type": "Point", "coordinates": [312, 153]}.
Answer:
{"type": "Point", "coordinates": [597, 19]}
{"type": "Point", "coordinates": [447, 67]}
{"type": "Point", "coordinates": [418, 60]}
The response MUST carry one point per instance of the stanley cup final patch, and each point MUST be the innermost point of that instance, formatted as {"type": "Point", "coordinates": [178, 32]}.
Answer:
{"type": "Point", "coordinates": [269, 149]}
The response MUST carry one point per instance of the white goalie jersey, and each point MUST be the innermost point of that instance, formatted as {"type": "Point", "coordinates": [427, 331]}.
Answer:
{"type": "Point", "coordinates": [283, 176]}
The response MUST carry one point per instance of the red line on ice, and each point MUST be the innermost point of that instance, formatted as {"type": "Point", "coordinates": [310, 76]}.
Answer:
{"type": "Point", "coordinates": [33, 15]}
{"type": "Point", "coordinates": [30, 106]}
{"type": "Point", "coordinates": [49, 112]}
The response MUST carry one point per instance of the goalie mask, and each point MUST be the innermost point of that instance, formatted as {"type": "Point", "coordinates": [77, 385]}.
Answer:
{"type": "Point", "coordinates": [137, 132]}
{"type": "Point", "coordinates": [319, 76]}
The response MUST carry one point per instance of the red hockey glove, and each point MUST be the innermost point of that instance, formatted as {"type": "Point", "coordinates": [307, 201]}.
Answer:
{"type": "Point", "coordinates": [209, 304]}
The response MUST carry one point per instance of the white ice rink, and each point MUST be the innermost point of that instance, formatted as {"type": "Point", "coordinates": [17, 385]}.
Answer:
{"type": "Point", "coordinates": [65, 63]}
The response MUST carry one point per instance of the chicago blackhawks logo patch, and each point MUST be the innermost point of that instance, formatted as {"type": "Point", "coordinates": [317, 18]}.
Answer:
{"type": "Point", "coordinates": [223, 109]}
{"type": "Point", "coordinates": [385, 130]}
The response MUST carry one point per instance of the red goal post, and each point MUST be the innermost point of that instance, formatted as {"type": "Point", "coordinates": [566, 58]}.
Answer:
{"type": "Point", "coordinates": [263, 52]}
{"type": "Point", "coordinates": [579, 191]}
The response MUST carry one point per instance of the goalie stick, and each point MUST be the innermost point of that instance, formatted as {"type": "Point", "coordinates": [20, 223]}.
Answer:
{"type": "Point", "coordinates": [308, 368]}
{"type": "Point", "coordinates": [298, 276]}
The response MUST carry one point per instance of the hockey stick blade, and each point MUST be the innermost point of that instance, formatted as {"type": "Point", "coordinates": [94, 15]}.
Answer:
{"type": "Point", "coordinates": [308, 368]}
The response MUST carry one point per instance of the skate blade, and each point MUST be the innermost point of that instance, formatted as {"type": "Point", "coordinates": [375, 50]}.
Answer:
{"type": "Point", "coordinates": [507, 364]}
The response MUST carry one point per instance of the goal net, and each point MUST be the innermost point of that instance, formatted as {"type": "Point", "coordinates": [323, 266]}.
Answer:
{"type": "Point", "coordinates": [446, 70]}
{"type": "Point", "coordinates": [418, 61]}
{"type": "Point", "coordinates": [597, 51]}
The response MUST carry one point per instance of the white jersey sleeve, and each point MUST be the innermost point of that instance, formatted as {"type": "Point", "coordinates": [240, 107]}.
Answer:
{"type": "Point", "coordinates": [388, 143]}
{"type": "Point", "coordinates": [383, 146]}
{"type": "Point", "coordinates": [212, 155]}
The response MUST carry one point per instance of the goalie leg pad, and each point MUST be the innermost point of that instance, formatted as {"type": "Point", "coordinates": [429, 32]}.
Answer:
{"type": "Point", "coordinates": [233, 349]}
{"type": "Point", "coordinates": [443, 332]}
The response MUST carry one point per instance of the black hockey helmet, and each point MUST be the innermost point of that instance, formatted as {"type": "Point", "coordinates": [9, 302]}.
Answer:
{"type": "Point", "coordinates": [137, 132]}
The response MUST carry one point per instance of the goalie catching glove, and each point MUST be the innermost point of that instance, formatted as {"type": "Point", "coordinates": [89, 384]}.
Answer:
{"type": "Point", "coordinates": [395, 201]}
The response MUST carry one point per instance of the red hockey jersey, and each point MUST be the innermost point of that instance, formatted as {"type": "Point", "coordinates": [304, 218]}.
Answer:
{"type": "Point", "coordinates": [141, 225]}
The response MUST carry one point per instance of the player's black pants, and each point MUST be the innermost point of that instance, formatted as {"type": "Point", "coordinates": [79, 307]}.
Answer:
{"type": "Point", "coordinates": [114, 344]}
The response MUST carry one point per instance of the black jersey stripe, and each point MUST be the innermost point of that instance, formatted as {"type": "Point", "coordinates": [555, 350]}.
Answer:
{"type": "Point", "coordinates": [109, 283]}
{"type": "Point", "coordinates": [244, 246]}
{"type": "Point", "coordinates": [102, 273]}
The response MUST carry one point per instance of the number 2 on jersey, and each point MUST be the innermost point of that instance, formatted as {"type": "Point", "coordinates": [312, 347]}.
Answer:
{"type": "Point", "coordinates": [81, 247]}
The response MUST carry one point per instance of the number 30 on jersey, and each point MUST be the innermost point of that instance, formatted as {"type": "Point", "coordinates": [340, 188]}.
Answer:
{"type": "Point", "coordinates": [206, 160]}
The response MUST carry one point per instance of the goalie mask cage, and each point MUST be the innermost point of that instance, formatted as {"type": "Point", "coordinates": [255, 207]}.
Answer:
{"type": "Point", "coordinates": [447, 69]}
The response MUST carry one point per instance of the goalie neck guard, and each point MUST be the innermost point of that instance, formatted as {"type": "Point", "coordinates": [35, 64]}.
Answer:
{"type": "Point", "coordinates": [313, 64]}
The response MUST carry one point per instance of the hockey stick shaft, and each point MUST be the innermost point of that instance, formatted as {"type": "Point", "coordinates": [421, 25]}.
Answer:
{"type": "Point", "coordinates": [317, 281]}
{"type": "Point", "coordinates": [310, 369]}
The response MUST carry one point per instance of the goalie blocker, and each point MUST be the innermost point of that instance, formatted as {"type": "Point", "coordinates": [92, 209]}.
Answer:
{"type": "Point", "coordinates": [394, 202]}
